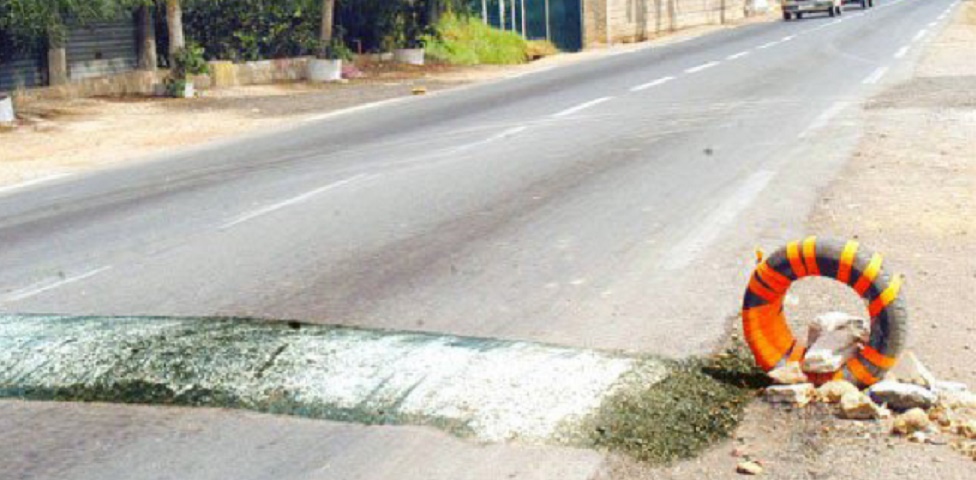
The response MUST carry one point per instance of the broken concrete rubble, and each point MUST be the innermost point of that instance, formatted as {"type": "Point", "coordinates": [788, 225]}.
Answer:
{"type": "Point", "coordinates": [967, 429]}
{"type": "Point", "coordinates": [789, 374]}
{"type": "Point", "coordinates": [858, 406]}
{"type": "Point", "coordinates": [749, 468]}
{"type": "Point", "coordinates": [902, 396]}
{"type": "Point", "coordinates": [914, 420]}
{"type": "Point", "coordinates": [833, 339]}
{"type": "Point", "coordinates": [832, 391]}
{"type": "Point", "coordinates": [799, 395]}
{"type": "Point", "coordinates": [961, 399]}
{"type": "Point", "coordinates": [910, 370]}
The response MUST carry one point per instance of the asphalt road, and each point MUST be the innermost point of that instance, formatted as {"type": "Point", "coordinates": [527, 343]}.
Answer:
{"type": "Point", "coordinates": [611, 204]}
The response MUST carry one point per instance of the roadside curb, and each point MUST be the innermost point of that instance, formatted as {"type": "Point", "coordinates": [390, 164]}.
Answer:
{"type": "Point", "coordinates": [491, 390]}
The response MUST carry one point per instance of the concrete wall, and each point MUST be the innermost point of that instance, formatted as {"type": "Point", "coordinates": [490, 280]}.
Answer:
{"type": "Point", "coordinates": [227, 74]}
{"type": "Point", "coordinates": [637, 20]}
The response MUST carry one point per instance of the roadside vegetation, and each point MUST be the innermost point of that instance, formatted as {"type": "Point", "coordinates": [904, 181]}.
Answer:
{"type": "Point", "coordinates": [466, 40]}
{"type": "Point", "coordinates": [699, 403]}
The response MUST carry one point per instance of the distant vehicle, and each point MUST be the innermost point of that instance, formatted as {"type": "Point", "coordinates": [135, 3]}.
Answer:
{"type": "Point", "coordinates": [798, 8]}
{"type": "Point", "coordinates": [865, 4]}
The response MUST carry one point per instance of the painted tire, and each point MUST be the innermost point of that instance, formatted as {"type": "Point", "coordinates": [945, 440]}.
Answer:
{"type": "Point", "coordinates": [769, 335]}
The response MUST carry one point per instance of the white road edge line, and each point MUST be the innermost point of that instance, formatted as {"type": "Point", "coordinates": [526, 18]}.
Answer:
{"type": "Point", "coordinates": [581, 107]}
{"type": "Point", "coordinates": [42, 287]}
{"type": "Point", "coordinates": [358, 108]}
{"type": "Point", "coordinates": [918, 36]}
{"type": "Point", "coordinates": [901, 52]}
{"type": "Point", "coordinates": [824, 118]}
{"type": "Point", "coordinates": [701, 67]}
{"type": "Point", "coordinates": [767, 45]}
{"type": "Point", "coordinates": [737, 55]}
{"type": "Point", "coordinates": [30, 183]}
{"type": "Point", "coordinates": [787, 38]}
{"type": "Point", "coordinates": [712, 226]}
{"type": "Point", "coordinates": [291, 201]}
{"type": "Point", "coordinates": [931, 24]}
{"type": "Point", "coordinates": [654, 83]}
{"type": "Point", "coordinates": [875, 76]}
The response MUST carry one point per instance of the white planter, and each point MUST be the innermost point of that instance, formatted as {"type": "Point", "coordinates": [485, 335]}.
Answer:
{"type": "Point", "coordinates": [321, 70]}
{"type": "Point", "coordinates": [410, 56]}
{"type": "Point", "coordinates": [6, 109]}
{"type": "Point", "coordinates": [188, 91]}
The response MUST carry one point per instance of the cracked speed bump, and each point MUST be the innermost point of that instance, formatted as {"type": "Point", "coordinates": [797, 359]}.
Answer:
{"type": "Point", "coordinates": [491, 390]}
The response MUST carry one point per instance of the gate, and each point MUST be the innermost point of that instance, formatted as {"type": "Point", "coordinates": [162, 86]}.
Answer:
{"type": "Point", "coordinates": [560, 21]}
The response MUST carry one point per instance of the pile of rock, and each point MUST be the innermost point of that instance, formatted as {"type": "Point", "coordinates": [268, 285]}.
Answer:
{"type": "Point", "coordinates": [911, 402]}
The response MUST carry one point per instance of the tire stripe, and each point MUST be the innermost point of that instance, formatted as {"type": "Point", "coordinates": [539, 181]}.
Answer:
{"type": "Point", "coordinates": [796, 263]}
{"type": "Point", "coordinates": [756, 287]}
{"type": "Point", "coordinates": [810, 256]}
{"type": "Point", "coordinates": [887, 296]}
{"type": "Point", "coordinates": [846, 261]}
{"type": "Point", "coordinates": [877, 358]}
{"type": "Point", "coordinates": [860, 372]}
{"type": "Point", "coordinates": [776, 281]}
{"type": "Point", "coordinates": [870, 273]}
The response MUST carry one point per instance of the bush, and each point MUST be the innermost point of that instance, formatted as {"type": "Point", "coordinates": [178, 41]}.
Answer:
{"type": "Point", "coordinates": [464, 40]}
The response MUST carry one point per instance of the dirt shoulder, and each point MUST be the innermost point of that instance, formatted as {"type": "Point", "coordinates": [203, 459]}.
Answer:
{"type": "Point", "coordinates": [910, 192]}
{"type": "Point", "coordinates": [68, 136]}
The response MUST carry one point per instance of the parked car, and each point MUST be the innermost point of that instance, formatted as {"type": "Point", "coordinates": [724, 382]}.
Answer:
{"type": "Point", "coordinates": [864, 4]}
{"type": "Point", "coordinates": [798, 8]}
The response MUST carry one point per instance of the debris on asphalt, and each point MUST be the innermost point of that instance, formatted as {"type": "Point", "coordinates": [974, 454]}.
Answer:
{"type": "Point", "coordinates": [834, 338]}
{"type": "Point", "coordinates": [902, 396]}
{"type": "Point", "coordinates": [858, 406]}
{"type": "Point", "coordinates": [967, 429]}
{"type": "Point", "coordinates": [789, 374]}
{"type": "Point", "coordinates": [798, 395]}
{"type": "Point", "coordinates": [832, 391]}
{"type": "Point", "coordinates": [914, 420]}
{"type": "Point", "coordinates": [910, 370]}
{"type": "Point", "coordinates": [749, 467]}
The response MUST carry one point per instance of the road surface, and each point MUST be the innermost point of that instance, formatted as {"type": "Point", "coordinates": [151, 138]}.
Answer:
{"type": "Point", "coordinates": [612, 204]}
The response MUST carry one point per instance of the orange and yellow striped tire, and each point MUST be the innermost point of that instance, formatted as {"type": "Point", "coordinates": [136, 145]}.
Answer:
{"type": "Point", "coordinates": [769, 335]}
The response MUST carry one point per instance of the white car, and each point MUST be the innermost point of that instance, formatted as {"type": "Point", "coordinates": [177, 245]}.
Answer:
{"type": "Point", "coordinates": [798, 8]}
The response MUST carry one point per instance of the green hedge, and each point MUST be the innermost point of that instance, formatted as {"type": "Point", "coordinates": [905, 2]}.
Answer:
{"type": "Point", "coordinates": [464, 40]}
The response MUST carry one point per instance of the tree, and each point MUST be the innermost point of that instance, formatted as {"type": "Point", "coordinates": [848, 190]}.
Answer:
{"type": "Point", "coordinates": [174, 21]}
{"type": "Point", "coordinates": [328, 18]}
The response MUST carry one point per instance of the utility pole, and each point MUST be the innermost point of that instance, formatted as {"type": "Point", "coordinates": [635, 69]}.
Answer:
{"type": "Point", "coordinates": [548, 31]}
{"type": "Point", "coordinates": [501, 14]}
{"type": "Point", "coordinates": [484, 11]}
{"type": "Point", "coordinates": [514, 25]}
{"type": "Point", "coordinates": [522, 4]}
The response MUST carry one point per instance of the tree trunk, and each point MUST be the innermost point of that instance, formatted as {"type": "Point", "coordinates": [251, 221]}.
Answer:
{"type": "Point", "coordinates": [147, 40]}
{"type": "Point", "coordinates": [328, 17]}
{"type": "Point", "coordinates": [174, 19]}
{"type": "Point", "coordinates": [57, 57]}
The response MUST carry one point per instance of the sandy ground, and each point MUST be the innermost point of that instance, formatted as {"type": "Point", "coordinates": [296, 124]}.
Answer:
{"type": "Point", "coordinates": [910, 192]}
{"type": "Point", "coordinates": [69, 136]}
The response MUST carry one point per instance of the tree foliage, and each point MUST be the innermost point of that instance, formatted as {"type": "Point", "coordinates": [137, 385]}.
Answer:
{"type": "Point", "coordinates": [34, 18]}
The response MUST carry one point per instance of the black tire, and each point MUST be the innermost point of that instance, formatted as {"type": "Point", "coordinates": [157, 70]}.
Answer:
{"type": "Point", "coordinates": [799, 15]}
{"type": "Point", "coordinates": [786, 16]}
{"type": "Point", "coordinates": [864, 4]}
{"type": "Point", "coordinates": [840, 11]}
{"type": "Point", "coordinates": [870, 3]}
{"type": "Point", "coordinates": [832, 12]}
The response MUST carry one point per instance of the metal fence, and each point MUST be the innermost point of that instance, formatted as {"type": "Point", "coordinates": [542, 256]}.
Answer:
{"type": "Point", "coordinates": [559, 21]}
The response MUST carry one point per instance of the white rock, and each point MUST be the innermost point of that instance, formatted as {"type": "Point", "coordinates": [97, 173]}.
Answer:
{"type": "Point", "coordinates": [789, 374]}
{"type": "Point", "coordinates": [857, 406]}
{"type": "Point", "coordinates": [902, 396]}
{"type": "Point", "coordinates": [909, 369]}
{"type": "Point", "coordinates": [749, 468]}
{"type": "Point", "coordinates": [833, 339]}
{"type": "Point", "coordinates": [944, 386]}
{"type": "Point", "coordinates": [957, 399]}
{"type": "Point", "coordinates": [799, 395]}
